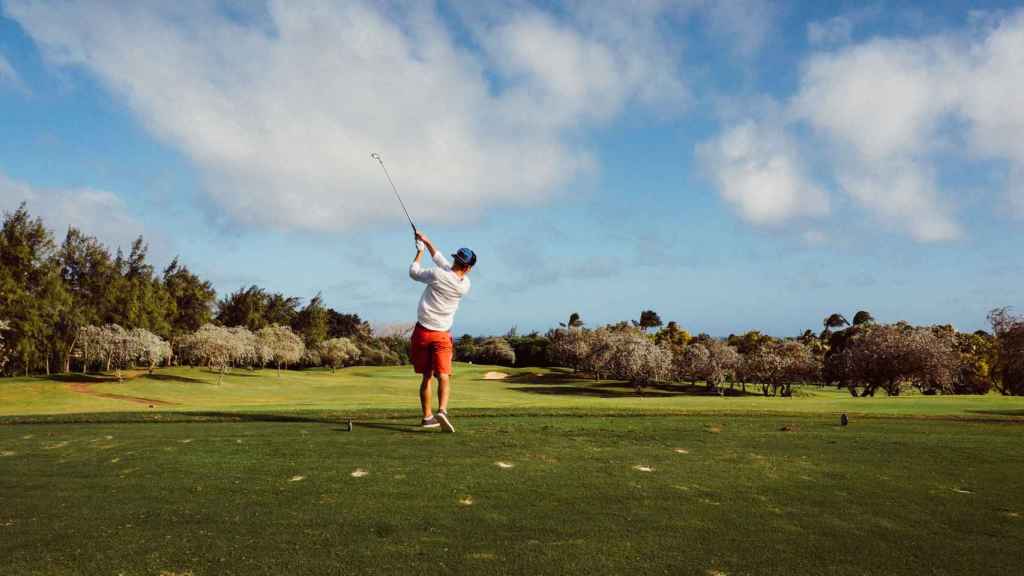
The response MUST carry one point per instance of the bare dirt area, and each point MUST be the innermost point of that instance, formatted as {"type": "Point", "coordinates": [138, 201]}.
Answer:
{"type": "Point", "coordinates": [86, 388]}
{"type": "Point", "coordinates": [495, 376]}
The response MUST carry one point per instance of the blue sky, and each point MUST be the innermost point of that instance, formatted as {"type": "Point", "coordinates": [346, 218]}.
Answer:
{"type": "Point", "coordinates": [732, 165]}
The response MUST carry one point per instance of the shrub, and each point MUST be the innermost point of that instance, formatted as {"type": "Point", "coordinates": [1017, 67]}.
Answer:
{"type": "Point", "coordinates": [1009, 366]}
{"type": "Point", "coordinates": [495, 351]}
{"type": "Point", "coordinates": [336, 352]}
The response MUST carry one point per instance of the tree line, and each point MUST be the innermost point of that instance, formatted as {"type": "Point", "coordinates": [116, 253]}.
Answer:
{"type": "Point", "coordinates": [73, 304]}
{"type": "Point", "coordinates": [862, 356]}
{"type": "Point", "coordinates": [76, 305]}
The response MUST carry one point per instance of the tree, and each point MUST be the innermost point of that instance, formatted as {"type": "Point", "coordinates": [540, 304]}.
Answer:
{"type": "Point", "coordinates": [691, 363]}
{"type": "Point", "coordinates": [149, 349]}
{"type": "Point", "coordinates": [574, 321]}
{"type": "Point", "coordinates": [495, 351]}
{"type": "Point", "coordinates": [345, 325]}
{"type": "Point", "coordinates": [778, 365]}
{"type": "Point", "coordinates": [114, 348]}
{"type": "Point", "coordinates": [32, 294]}
{"type": "Point", "coordinates": [3, 350]}
{"type": "Point", "coordinates": [216, 347]}
{"type": "Point", "coordinates": [863, 317]}
{"type": "Point", "coordinates": [336, 352]}
{"type": "Point", "coordinates": [141, 301]}
{"type": "Point", "coordinates": [835, 321]}
{"type": "Point", "coordinates": [89, 276]}
{"type": "Point", "coordinates": [245, 307]}
{"type": "Point", "coordinates": [649, 319]}
{"type": "Point", "coordinates": [311, 323]}
{"type": "Point", "coordinates": [629, 355]}
{"type": "Point", "coordinates": [284, 346]}
{"type": "Point", "coordinates": [193, 298]}
{"type": "Point", "coordinates": [465, 348]}
{"type": "Point", "coordinates": [672, 337]}
{"type": "Point", "coordinates": [887, 356]}
{"type": "Point", "coordinates": [569, 347]}
{"type": "Point", "coordinates": [1009, 345]}
{"type": "Point", "coordinates": [748, 342]}
{"type": "Point", "coordinates": [531, 349]}
{"type": "Point", "coordinates": [711, 361]}
{"type": "Point", "coordinates": [977, 359]}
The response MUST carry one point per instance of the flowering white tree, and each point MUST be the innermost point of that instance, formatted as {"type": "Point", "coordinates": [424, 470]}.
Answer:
{"type": "Point", "coordinates": [283, 346]}
{"type": "Point", "coordinates": [3, 350]}
{"type": "Point", "coordinates": [215, 346]}
{"type": "Point", "coordinates": [338, 351]}
{"type": "Point", "coordinates": [150, 350]}
{"type": "Point", "coordinates": [244, 346]}
{"type": "Point", "coordinates": [570, 347]}
{"type": "Point", "coordinates": [637, 359]}
{"type": "Point", "coordinates": [113, 347]}
{"type": "Point", "coordinates": [91, 346]}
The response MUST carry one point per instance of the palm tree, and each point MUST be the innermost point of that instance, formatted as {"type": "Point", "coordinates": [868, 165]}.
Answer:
{"type": "Point", "coordinates": [863, 317]}
{"type": "Point", "coordinates": [835, 321]}
{"type": "Point", "coordinates": [574, 321]}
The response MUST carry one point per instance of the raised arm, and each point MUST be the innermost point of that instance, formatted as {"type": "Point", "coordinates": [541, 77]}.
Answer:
{"type": "Point", "coordinates": [435, 254]}
{"type": "Point", "coordinates": [416, 272]}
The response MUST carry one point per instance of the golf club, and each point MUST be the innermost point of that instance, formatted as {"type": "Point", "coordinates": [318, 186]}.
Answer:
{"type": "Point", "coordinates": [380, 160]}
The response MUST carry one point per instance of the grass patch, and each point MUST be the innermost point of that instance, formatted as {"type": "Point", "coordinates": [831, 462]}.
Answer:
{"type": "Point", "coordinates": [597, 495]}
{"type": "Point", "coordinates": [260, 475]}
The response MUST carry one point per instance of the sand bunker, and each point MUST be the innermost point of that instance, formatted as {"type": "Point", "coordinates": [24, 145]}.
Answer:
{"type": "Point", "coordinates": [359, 473]}
{"type": "Point", "coordinates": [296, 478]}
{"type": "Point", "coordinates": [682, 451]}
{"type": "Point", "coordinates": [495, 376]}
{"type": "Point", "coordinates": [642, 468]}
{"type": "Point", "coordinates": [504, 465]}
{"type": "Point", "coordinates": [467, 501]}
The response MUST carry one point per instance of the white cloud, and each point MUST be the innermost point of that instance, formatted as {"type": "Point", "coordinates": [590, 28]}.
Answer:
{"type": "Point", "coordinates": [281, 109]}
{"type": "Point", "coordinates": [9, 76]}
{"type": "Point", "coordinates": [757, 168]}
{"type": "Point", "coordinates": [835, 30]}
{"type": "Point", "coordinates": [839, 29]}
{"type": "Point", "coordinates": [887, 113]}
{"type": "Point", "coordinates": [748, 24]}
{"type": "Point", "coordinates": [95, 212]}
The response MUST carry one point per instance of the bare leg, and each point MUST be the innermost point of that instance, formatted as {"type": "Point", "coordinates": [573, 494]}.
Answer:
{"type": "Point", "coordinates": [425, 396]}
{"type": "Point", "coordinates": [443, 391]}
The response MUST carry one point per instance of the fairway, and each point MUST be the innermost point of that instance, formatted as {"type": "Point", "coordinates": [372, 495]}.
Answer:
{"type": "Point", "coordinates": [259, 475]}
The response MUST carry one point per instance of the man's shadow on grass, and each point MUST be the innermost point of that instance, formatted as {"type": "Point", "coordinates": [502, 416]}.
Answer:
{"type": "Point", "coordinates": [392, 427]}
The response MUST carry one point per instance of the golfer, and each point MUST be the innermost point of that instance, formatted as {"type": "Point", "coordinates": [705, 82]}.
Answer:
{"type": "Point", "coordinates": [432, 344]}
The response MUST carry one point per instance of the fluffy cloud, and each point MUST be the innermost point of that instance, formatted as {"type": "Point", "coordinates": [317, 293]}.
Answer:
{"type": "Point", "coordinates": [280, 107]}
{"type": "Point", "coordinates": [890, 112]}
{"type": "Point", "coordinates": [9, 76]}
{"type": "Point", "coordinates": [759, 172]}
{"type": "Point", "coordinates": [839, 29]}
{"type": "Point", "coordinates": [747, 23]}
{"type": "Point", "coordinates": [94, 212]}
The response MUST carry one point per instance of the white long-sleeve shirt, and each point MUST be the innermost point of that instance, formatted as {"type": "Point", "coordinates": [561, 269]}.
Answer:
{"type": "Point", "coordinates": [441, 297]}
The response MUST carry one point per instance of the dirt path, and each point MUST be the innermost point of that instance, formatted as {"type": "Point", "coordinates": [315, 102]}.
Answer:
{"type": "Point", "coordinates": [86, 388]}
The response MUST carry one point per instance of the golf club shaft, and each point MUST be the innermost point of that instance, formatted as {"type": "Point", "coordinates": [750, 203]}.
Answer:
{"type": "Point", "coordinates": [380, 160]}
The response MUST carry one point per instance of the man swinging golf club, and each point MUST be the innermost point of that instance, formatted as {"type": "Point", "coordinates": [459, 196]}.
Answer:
{"type": "Point", "coordinates": [432, 344]}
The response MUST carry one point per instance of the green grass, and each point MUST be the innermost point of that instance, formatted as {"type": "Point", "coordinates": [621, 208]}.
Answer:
{"type": "Point", "coordinates": [393, 390]}
{"type": "Point", "coordinates": [254, 476]}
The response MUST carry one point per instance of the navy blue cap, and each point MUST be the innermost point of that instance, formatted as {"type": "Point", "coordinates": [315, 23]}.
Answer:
{"type": "Point", "coordinates": [465, 256]}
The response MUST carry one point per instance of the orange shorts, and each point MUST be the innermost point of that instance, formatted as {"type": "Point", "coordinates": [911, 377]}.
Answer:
{"type": "Point", "coordinates": [431, 351]}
